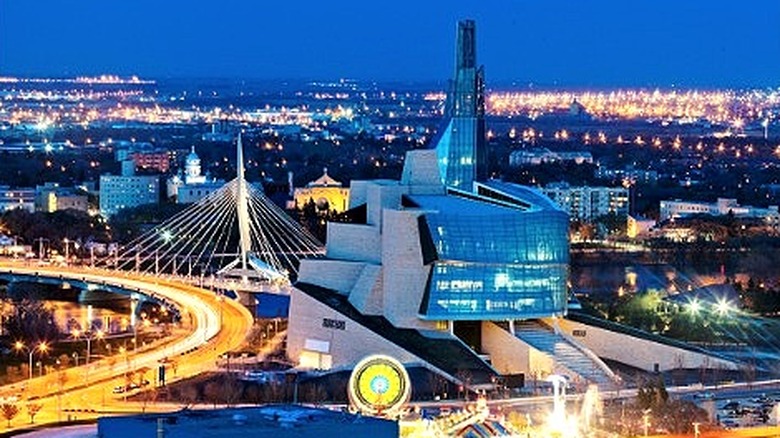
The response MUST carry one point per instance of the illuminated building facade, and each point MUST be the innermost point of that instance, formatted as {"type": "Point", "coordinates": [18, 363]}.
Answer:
{"type": "Point", "coordinates": [721, 207]}
{"type": "Point", "coordinates": [325, 192]}
{"type": "Point", "coordinates": [587, 203]}
{"type": "Point", "coordinates": [17, 198]}
{"type": "Point", "coordinates": [158, 160]}
{"type": "Point", "coordinates": [638, 226]}
{"type": "Point", "coordinates": [191, 185]}
{"type": "Point", "coordinates": [492, 258]}
{"type": "Point", "coordinates": [454, 273]}
{"type": "Point", "coordinates": [125, 191]}
{"type": "Point", "coordinates": [536, 156]}
{"type": "Point", "coordinates": [422, 258]}
{"type": "Point", "coordinates": [50, 197]}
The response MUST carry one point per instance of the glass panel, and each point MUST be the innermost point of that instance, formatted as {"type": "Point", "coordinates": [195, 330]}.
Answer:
{"type": "Point", "coordinates": [502, 265]}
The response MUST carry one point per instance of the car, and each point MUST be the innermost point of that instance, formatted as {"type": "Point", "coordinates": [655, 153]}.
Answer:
{"type": "Point", "coordinates": [704, 395]}
{"type": "Point", "coordinates": [129, 387]}
{"type": "Point", "coordinates": [255, 375]}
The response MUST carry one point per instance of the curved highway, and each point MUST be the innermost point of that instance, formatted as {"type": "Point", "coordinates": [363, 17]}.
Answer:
{"type": "Point", "coordinates": [217, 326]}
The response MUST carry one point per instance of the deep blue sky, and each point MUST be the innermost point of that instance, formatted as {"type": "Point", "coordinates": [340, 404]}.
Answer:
{"type": "Point", "coordinates": [575, 43]}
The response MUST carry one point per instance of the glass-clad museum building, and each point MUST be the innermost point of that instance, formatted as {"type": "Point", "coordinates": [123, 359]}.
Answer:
{"type": "Point", "coordinates": [460, 142]}
{"type": "Point", "coordinates": [493, 260]}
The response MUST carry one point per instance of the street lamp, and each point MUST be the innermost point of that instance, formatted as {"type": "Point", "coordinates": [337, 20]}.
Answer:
{"type": "Point", "coordinates": [40, 241]}
{"type": "Point", "coordinates": [646, 420]}
{"type": "Point", "coordinates": [42, 347]}
{"type": "Point", "coordinates": [88, 335]}
{"type": "Point", "coordinates": [67, 243]}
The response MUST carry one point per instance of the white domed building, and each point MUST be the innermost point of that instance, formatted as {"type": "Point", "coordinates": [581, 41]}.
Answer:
{"type": "Point", "coordinates": [192, 185]}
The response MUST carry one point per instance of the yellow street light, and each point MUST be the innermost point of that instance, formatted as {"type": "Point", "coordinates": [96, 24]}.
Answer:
{"type": "Point", "coordinates": [42, 348]}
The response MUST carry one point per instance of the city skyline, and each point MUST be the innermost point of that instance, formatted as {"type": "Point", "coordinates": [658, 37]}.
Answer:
{"type": "Point", "coordinates": [564, 43]}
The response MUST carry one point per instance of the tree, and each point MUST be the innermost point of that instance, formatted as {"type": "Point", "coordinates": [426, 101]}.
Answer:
{"type": "Point", "coordinates": [77, 226]}
{"type": "Point", "coordinates": [188, 394]}
{"type": "Point", "coordinates": [437, 384]}
{"type": "Point", "coordinates": [613, 223]}
{"type": "Point", "coordinates": [464, 376]}
{"type": "Point", "coordinates": [652, 394]}
{"type": "Point", "coordinates": [212, 392]}
{"type": "Point", "coordinates": [9, 411]}
{"type": "Point", "coordinates": [253, 394]}
{"type": "Point", "coordinates": [31, 322]}
{"type": "Point", "coordinates": [64, 360]}
{"type": "Point", "coordinates": [62, 379]}
{"type": "Point", "coordinates": [231, 389]}
{"type": "Point", "coordinates": [140, 376]}
{"type": "Point", "coordinates": [149, 396]}
{"type": "Point", "coordinates": [33, 409]}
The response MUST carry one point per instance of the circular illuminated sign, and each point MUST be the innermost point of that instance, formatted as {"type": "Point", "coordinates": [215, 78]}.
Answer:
{"type": "Point", "coordinates": [379, 384]}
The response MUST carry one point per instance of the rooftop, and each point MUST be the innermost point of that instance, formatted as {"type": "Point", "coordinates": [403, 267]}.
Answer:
{"type": "Point", "coordinates": [280, 420]}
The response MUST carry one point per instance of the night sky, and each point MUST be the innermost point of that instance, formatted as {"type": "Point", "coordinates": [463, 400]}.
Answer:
{"type": "Point", "coordinates": [578, 43]}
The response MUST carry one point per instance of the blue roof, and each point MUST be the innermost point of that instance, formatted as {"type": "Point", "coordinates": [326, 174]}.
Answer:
{"type": "Point", "coordinates": [519, 197]}
{"type": "Point", "coordinates": [454, 204]}
{"type": "Point", "coordinates": [528, 194]}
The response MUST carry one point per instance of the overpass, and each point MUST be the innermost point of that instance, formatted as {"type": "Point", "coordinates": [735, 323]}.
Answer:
{"type": "Point", "coordinates": [216, 326]}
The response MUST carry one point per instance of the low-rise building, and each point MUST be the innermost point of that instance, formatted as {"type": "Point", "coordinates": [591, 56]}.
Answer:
{"type": "Point", "coordinates": [13, 198]}
{"type": "Point", "coordinates": [723, 206]}
{"type": "Point", "coordinates": [638, 226]}
{"type": "Point", "coordinates": [192, 185]}
{"type": "Point", "coordinates": [538, 156]}
{"type": "Point", "coordinates": [158, 160]}
{"type": "Point", "coordinates": [279, 421]}
{"type": "Point", "coordinates": [587, 203]}
{"type": "Point", "coordinates": [325, 192]}
{"type": "Point", "coordinates": [628, 174]}
{"type": "Point", "coordinates": [127, 190]}
{"type": "Point", "coordinates": [50, 197]}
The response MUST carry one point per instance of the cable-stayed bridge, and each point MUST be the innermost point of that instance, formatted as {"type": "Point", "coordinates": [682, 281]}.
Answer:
{"type": "Point", "coordinates": [234, 238]}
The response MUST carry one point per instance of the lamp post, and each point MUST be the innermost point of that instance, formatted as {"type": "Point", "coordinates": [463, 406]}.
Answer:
{"type": "Point", "coordinates": [646, 421]}
{"type": "Point", "coordinates": [42, 347]}
{"type": "Point", "coordinates": [40, 241]}
{"type": "Point", "coordinates": [88, 335]}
